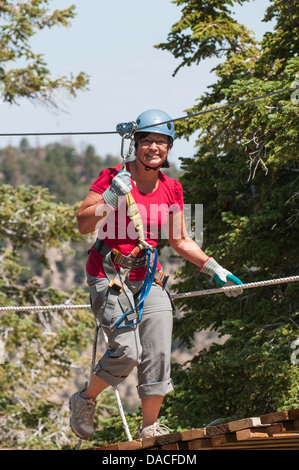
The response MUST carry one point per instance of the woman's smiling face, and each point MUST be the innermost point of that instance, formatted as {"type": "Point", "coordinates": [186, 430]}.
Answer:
{"type": "Point", "coordinates": [152, 150]}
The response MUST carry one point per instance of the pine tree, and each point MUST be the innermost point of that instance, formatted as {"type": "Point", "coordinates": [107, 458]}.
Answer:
{"type": "Point", "coordinates": [30, 77]}
{"type": "Point", "coordinates": [245, 173]}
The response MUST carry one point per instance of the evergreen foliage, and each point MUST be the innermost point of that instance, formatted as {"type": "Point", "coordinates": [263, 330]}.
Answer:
{"type": "Point", "coordinates": [24, 73]}
{"type": "Point", "coordinates": [245, 174]}
{"type": "Point", "coordinates": [66, 172]}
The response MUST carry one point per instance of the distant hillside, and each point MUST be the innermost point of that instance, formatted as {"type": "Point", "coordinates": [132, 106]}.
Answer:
{"type": "Point", "coordinates": [65, 171]}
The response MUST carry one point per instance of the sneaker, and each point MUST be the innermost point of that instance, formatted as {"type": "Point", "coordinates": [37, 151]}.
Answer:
{"type": "Point", "coordinates": [83, 414]}
{"type": "Point", "coordinates": [155, 429]}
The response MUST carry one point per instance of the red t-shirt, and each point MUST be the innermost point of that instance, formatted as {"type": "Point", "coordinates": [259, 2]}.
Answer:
{"type": "Point", "coordinates": [119, 232]}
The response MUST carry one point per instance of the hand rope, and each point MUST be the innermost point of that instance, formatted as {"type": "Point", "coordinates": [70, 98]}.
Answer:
{"type": "Point", "coordinates": [219, 290]}
{"type": "Point", "coordinates": [249, 285]}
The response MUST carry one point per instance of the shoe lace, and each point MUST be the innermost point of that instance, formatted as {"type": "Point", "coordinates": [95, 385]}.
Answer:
{"type": "Point", "coordinates": [162, 428]}
{"type": "Point", "coordinates": [87, 411]}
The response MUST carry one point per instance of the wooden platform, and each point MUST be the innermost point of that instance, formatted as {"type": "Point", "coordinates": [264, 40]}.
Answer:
{"type": "Point", "coordinates": [273, 431]}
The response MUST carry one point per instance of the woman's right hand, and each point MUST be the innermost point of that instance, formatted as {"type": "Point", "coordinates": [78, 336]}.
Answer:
{"type": "Point", "coordinates": [121, 185]}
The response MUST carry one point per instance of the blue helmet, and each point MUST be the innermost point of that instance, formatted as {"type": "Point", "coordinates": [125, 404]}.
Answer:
{"type": "Point", "coordinates": [151, 119]}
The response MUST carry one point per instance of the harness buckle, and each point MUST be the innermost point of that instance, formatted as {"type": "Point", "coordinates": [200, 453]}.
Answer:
{"type": "Point", "coordinates": [116, 254]}
{"type": "Point", "coordinates": [113, 285]}
{"type": "Point", "coordinates": [161, 278]}
{"type": "Point", "coordinates": [119, 259]}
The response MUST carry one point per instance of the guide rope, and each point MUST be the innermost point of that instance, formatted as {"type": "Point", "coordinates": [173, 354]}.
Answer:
{"type": "Point", "coordinates": [217, 290]}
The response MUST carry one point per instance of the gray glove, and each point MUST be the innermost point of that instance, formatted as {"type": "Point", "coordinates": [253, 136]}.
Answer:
{"type": "Point", "coordinates": [121, 185]}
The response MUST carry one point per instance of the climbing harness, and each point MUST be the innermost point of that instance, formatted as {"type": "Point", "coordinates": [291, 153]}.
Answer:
{"type": "Point", "coordinates": [113, 260]}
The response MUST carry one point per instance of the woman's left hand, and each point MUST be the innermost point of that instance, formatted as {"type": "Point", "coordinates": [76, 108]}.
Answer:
{"type": "Point", "coordinates": [222, 276]}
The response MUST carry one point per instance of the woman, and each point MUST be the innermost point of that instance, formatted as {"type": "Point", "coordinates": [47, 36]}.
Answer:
{"type": "Point", "coordinates": [117, 266]}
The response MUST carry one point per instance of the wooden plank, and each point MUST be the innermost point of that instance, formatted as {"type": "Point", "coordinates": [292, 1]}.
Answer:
{"type": "Point", "coordinates": [108, 447]}
{"type": "Point", "coordinates": [294, 414]}
{"type": "Point", "coordinates": [191, 434]}
{"type": "Point", "coordinates": [260, 445]}
{"type": "Point", "coordinates": [148, 442]}
{"type": "Point", "coordinates": [216, 430]}
{"type": "Point", "coordinates": [258, 432]}
{"type": "Point", "coordinates": [223, 439]}
{"type": "Point", "coordinates": [274, 417]}
{"type": "Point", "coordinates": [277, 440]}
{"type": "Point", "coordinates": [130, 445]}
{"type": "Point", "coordinates": [285, 435]}
{"type": "Point", "coordinates": [198, 444]}
{"type": "Point", "coordinates": [173, 446]}
{"type": "Point", "coordinates": [277, 430]}
{"type": "Point", "coordinates": [288, 425]}
{"type": "Point", "coordinates": [168, 438]}
{"type": "Point", "coordinates": [244, 423]}
{"type": "Point", "coordinates": [183, 445]}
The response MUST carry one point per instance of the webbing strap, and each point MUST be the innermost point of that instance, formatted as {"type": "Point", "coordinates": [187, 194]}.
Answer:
{"type": "Point", "coordinates": [135, 216]}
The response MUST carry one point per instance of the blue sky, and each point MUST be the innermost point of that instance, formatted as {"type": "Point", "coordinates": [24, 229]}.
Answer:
{"type": "Point", "coordinates": [113, 43]}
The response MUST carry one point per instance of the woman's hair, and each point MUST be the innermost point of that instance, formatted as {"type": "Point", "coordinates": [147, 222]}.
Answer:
{"type": "Point", "coordinates": [142, 135]}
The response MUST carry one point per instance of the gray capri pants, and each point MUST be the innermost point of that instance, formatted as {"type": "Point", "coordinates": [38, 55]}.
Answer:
{"type": "Point", "coordinates": [146, 345]}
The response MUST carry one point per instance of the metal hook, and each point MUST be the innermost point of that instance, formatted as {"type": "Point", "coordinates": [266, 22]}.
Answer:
{"type": "Point", "coordinates": [126, 130]}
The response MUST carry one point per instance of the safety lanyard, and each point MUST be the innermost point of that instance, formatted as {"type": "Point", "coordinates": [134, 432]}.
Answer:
{"type": "Point", "coordinates": [147, 284]}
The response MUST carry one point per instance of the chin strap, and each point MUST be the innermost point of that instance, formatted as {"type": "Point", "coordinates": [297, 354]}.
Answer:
{"type": "Point", "coordinates": [148, 168]}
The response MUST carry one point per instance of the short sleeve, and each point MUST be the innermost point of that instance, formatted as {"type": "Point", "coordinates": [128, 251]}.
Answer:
{"type": "Point", "coordinates": [178, 197]}
{"type": "Point", "coordinates": [104, 180]}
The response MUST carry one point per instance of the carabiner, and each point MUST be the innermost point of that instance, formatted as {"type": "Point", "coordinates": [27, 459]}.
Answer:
{"type": "Point", "coordinates": [144, 245]}
{"type": "Point", "coordinates": [126, 130]}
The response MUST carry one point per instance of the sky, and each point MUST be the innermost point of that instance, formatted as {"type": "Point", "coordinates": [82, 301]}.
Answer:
{"type": "Point", "coordinates": [113, 42]}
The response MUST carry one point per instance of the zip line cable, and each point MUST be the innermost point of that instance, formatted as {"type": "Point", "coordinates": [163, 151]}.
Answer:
{"type": "Point", "coordinates": [219, 290]}
{"type": "Point", "coordinates": [189, 116]}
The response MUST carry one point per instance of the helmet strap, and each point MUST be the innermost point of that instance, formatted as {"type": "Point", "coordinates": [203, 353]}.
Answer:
{"type": "Point", "coordinates": [148, 168]}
